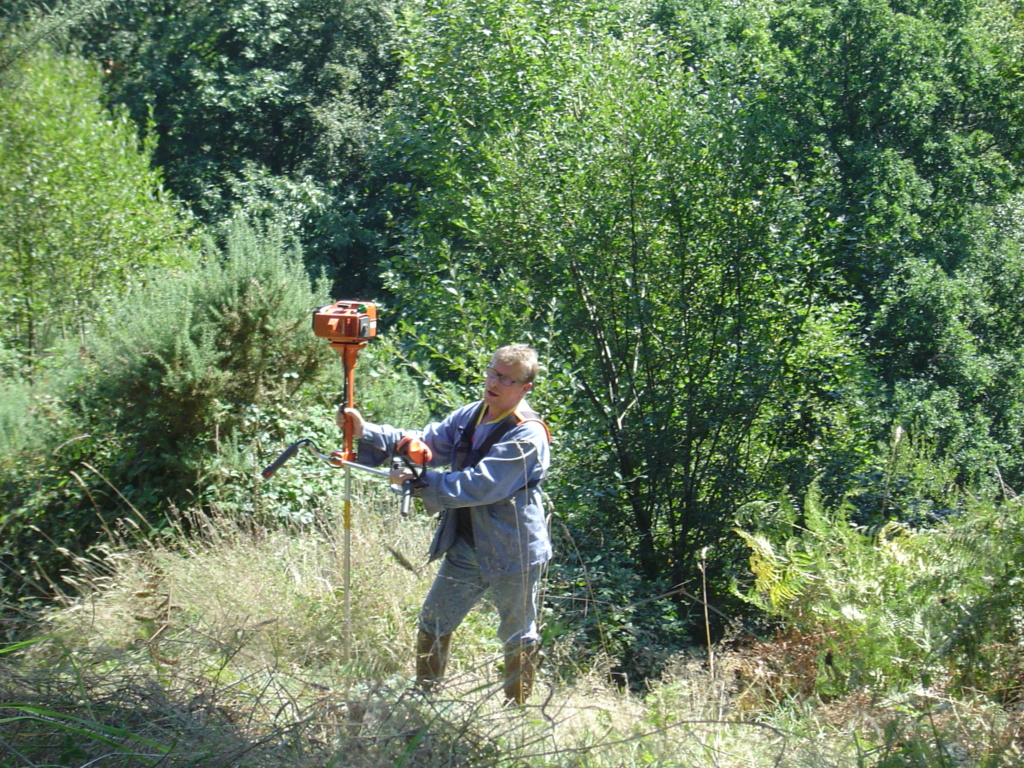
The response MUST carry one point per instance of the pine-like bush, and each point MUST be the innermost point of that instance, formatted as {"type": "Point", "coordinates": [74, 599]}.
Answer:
{"type": "Point", "coordinates": [140, 412]}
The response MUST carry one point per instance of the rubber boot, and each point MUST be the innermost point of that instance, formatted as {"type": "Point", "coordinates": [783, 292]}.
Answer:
{"type": "Point", "coordinates": [520, 671]}
{"type": "Point", "coordinates": [431, 658]}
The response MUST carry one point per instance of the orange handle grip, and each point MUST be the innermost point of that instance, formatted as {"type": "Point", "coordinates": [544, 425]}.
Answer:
{"type": "Point", "coordinates": [415, 450]}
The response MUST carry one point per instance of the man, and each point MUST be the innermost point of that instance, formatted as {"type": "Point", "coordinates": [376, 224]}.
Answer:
{"type": "Point", "coordinates": [492, 531]}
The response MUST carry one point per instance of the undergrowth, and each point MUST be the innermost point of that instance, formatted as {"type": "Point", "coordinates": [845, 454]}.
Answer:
{"type": "Point", "coordinates": [237, 644]}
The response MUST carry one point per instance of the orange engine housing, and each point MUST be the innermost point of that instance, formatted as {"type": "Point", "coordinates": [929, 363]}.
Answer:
{"type": "Point", "coordinates": [346, 322]}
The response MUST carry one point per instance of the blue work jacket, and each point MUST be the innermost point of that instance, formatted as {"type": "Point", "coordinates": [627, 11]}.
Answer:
{"type": "Point", "coordinates": [502, 491]}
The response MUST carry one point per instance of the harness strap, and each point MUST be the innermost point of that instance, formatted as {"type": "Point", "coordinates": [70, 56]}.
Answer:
{"type": "Point", "coordinates": [466, 456]}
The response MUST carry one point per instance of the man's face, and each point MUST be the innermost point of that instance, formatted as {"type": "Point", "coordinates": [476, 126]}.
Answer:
{"type": "Point", "coordinates": [504, 387]}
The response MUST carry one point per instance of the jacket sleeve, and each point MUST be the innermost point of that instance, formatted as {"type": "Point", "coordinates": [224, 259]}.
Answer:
{"type": "Point", "coordinates": [379, 441]}
{"type": "Point", "coordinates": [521, 458]}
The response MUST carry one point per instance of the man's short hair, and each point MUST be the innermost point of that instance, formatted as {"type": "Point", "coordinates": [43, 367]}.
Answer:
{"type": "Point", "coordinates": [522, 355]}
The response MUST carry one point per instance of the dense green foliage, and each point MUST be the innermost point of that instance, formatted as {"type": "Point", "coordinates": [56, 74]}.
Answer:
{"type": "Point", "coordinates": [915, 109]}
{"type": "Point", "coordinates": [81, 209]}
{"type": "Point", "coordinates": [263, 106]}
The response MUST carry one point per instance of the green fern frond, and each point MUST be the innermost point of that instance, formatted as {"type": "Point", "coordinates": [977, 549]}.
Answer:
{"type": "Point", "coordinates": [779, 577]}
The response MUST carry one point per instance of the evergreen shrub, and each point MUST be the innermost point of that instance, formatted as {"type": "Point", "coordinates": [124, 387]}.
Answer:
{"type": "Point", "coordinates": [181, 362]}
{"type": "Point", "coordinates": [139, 413]}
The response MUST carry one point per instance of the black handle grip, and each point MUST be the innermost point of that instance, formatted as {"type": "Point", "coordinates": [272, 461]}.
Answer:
{"type": "Point", "coordinates": [286, 454]}
{"type": "Point", "coordinates": [406, 497]}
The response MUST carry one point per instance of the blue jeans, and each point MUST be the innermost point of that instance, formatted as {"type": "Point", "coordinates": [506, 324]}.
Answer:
{"type": "Point", "coordinates": [459, 585]}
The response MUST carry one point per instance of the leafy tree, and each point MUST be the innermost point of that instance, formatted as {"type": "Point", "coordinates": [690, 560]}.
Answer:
{"type": "Point", "coordinates": [915, 105]}
{"type": "Point", "coordinates": [954, 356]}
{"type": "Point", "coordinates": [914, 108]}
{"type": "Point", "coordinates": [580, 186]}
{"type": "Point", "coordinates": [260, 106]}
{"type": "Point", "coordinates": [81, 211]}
{"type": "Point", "coordinates": [683, 267]}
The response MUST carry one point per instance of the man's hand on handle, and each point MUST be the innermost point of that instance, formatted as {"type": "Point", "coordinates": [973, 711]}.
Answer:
{"type": "Point", "coordinates": [354, 418]}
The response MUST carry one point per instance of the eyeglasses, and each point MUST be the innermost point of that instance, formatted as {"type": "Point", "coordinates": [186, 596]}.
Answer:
{"type": "Point", "coordinates": [505, 381]}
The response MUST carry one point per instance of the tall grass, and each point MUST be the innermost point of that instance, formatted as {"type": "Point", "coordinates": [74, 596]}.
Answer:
{"type": "Point", "coordinates": [227, 647]}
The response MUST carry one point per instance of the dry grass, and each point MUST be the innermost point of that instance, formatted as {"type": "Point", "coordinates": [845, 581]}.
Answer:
{"type": "Point", "coordinates": [230, 647]}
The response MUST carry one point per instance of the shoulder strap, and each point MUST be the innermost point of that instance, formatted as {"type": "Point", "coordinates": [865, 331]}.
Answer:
{"type": "Point", "coordinates": [519, 416]}
{"type": "Point", "coordinates": [467, 456]}
{"type": "Point", "coordinates": [465, 444]}
{"type": "Point", "coordinates": [525, 413]}
{"type": "Point", "coordinates": [496, 434]}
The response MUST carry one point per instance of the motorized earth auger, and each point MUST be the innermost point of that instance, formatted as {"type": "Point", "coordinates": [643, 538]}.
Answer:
{"type": "Point", "coordinates": [348, 326]}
